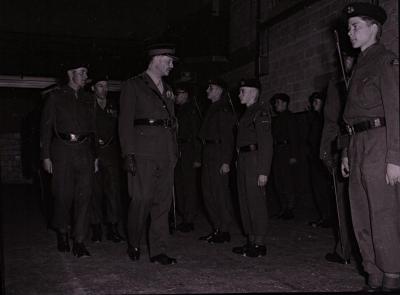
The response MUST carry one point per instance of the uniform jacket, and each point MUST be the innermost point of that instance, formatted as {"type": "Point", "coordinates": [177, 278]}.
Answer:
{"type": "Point", "coordinates": [374, 92]}
{"type": "Point", "coordinates": [65, 113]}
{"type": "Point", "coordinates": [141, 99]}
{"type": "Point", "coordinates": [255, 128]}
{"type": "Point", "coordinates": [219, 124]}
{"type": "Point", "coordinates": [284, 128]}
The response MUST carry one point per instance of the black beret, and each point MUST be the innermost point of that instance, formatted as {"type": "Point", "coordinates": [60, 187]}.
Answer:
{"type": "Point", "coordinates": [167, 49]}
{"type": "Point", "coordinates": [365, 9]}
{"type": "Point", "coordinates": [219, 82]}
{"type": "Point", "coordinates": [316, 95]}
{"type": "Point", "coordinates": [74, 63]}
{"type": "Point", "coordinates": [97, 78]}
{"type": "Point", "coordinates": [182, 86]}
{"type": "Point", "coordinates": [280, 96]}
{"type": "Point", "coordinates": [250, 83]}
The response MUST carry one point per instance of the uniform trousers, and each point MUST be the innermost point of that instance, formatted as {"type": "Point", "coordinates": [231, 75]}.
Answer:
{"type": "Point", "coordinates": [252, 199]}
{"type": "Point", "coordinates": [72, 186]}
{"type": "Point", "coordinates": [107, 192]}
{"type": "Point", "coordinates": [374, 204]}
{"type": "Point", "coordinates": [187, 198]}
{"type": "Point", "coordinates": [216, 192]}
{"type": "Point", "coordinates": [150, 193]}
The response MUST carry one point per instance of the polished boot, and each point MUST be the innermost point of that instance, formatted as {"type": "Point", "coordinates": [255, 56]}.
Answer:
{"type": "Point", "coordinates": [133, 253]}
{"type": "Point", "coordinates": [79, 250]}
{"type": "Point", "coordinates": [97, 232]}
{"type": "Point", "coordinates": [113, 234]}
{"type": "Point", "coordinates": [257, 251]}
{"type": "Point", "coordinates": [209, 236]}
{"type": "Point", "coordinates": [242, 250]}
{"type": "Point", "coordinates": [163, 259]}
{"type": "Point", "coordinates": [220, 237]}
{"type": "Point", "coordinates": [334, 257]}
{"type": "Point", "coordinates": [63, 242]}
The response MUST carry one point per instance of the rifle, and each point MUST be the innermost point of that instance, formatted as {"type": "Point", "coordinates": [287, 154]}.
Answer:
{"type": "Point", "coordinates": [233, 108]}
{"type": "Point", "coordinates": [346, 81]}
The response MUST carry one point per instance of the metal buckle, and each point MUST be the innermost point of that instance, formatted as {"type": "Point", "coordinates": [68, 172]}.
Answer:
{"type": "Point", "coordinates": [350, 130]}
{"type": "Point", "coordinates": [101, 142]}
{"type": "Point", "coordinates": [377, 122]}
{"type": "Point", "coordinates": [73, 137]}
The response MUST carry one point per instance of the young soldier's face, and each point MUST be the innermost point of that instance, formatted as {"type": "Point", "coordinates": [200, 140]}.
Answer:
{"type": "Point", "coordinates": [181, 96]}
{"type": "Point", "coordinates": [78, 76]}
{"type": "Point", "coordinates": [362, 34]}
{"type": "Point", "coordinates": [101, 89]}
{"type": "Point", "coordinates": [214, 92]}
{"type": "Point", "coordinates": [247, 95]}
{"type": "Point", "coordinates": [280, 106]}
{"type": "Point", "coordinates": [317, 105]}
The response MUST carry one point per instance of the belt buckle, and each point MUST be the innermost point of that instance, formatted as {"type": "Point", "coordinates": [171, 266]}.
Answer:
{"type": "Point", "coordinates": [101, 142]}
{"type": "Point", "coordinates": [350, 129]}
{"type": "Point", "coordinates": [73, 137]}
{"type": "Point", "coordinates": [151, 121]}
{"type": "Point", "coordinates": [377, 122]}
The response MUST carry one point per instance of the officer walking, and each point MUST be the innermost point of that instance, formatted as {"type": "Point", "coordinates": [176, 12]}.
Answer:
{"type": "Point", "coordinates": [254, 145]}
{"type": "Point", "coordinates": [67, 132]}
{"type": "Point", "coordinates": [217, 135]}
{"type": "Point", "coordinates": [147, 130]}
{"type": "Point", "coordinates": [373, 158]}
{"type": "Point", "coordinates": [284, 159]}
{"type": "Point", "coordinates": [107, 179]}
{"type": "Point", "coordinates": [189, 122]}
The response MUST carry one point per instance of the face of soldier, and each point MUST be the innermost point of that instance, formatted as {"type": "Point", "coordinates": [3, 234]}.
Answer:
{"type": "Point", "coordinates": [280, 106]}
{"type": "Point", "coordinates": [362, 33]}
{"type": "Point", "coordinates": [100, 89]}
{"type": "Point", "coordinates": [78, 77]}
{"type": "Point", "coordinates": [181, 97]}
{"type": "Point", "coordinates": [163, 64]}
{"type": "Point", "coordinates": [248, 95]}
{"type": "Point", "coordinates": [214, 92]}
{"type": "Point", "coordinates": [317, 105]}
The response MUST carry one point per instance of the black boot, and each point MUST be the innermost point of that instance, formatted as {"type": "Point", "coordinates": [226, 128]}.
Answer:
{"type": "Point", "coordinates": [113, 234]}
{"type": "Point", "coordinates": [97, 232]}
{"type": "Point", "coordinates": [79, 250]}
{"type": "Point", "coordinates": [63, 242]}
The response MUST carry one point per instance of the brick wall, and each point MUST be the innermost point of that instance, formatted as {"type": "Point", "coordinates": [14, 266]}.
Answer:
{"type": "Point", "coordinates": [301, 53]}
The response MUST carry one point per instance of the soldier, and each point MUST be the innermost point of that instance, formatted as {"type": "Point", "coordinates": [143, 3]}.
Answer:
{"type": "Point", "coordinates": [330, 149]}
{"type": "Point", "coordinates": [189, 122]}
{"type": "Point", "coordinates": [107, 183]}
{"type": "Point", "coordinates": [217, 135]}
{"type": "Point", "coordinates": [284, 159]}
{"type": "Point", "coordinates": [373, 156]}
{"type": "Point", "coordinates": [67, 131]}
{"type": "Point", "coordinates": [147, 130]}
{"type": "Point", "coordinates": [319, 175]}
{"type": "Point", "coordinates": [254, 145]}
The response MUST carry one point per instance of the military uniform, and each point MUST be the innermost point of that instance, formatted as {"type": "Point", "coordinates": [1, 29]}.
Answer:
{"type": "Point", "coordinates": [187, 197]}
{"type": "Point", "coordinates": [107, 182]}
{"type": "Point", "coordinates": [217, 134]}
{"type": "Point", "coordinates": [147, 131]}
{"type": "Point", "coordinates": [254, 145]}
{"type": "Point", "coordinates": [372, 115]}
{"type": "Point", "coordinates": [67, 129]}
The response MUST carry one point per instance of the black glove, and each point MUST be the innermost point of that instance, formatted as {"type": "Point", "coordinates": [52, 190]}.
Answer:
{"type": "Point", "coordinates": [130, 164]}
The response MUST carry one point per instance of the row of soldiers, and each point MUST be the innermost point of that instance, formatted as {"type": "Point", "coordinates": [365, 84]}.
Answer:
{"type": "Point", "coordinates": [152, 145]}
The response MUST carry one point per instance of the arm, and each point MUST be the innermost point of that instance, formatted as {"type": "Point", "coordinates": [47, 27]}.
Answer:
{"type": "Point", "coordinates": [265, 146]}
{"type": "Point", "coordinates": [227, 121]}
{"type": "Point", "coordinates": [127, 117]}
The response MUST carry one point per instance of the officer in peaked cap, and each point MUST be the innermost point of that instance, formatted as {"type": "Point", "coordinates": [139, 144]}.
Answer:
{"type": "Point", "coordinates": [373, 121]}
{"type": "Point", "coordinates": [217, 135]}
{"type": "Point", "coordinates": [107, 184]}
{"type": "Point", "coordinates": [67, 134]}
{"type": "Point", "coordinates": [147, 131]}
{"type": "Point", "coordinates": [254, 146]}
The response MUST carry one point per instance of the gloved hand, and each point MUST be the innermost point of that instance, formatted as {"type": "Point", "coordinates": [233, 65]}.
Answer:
{"type": "Point", "coordinates": [129, 164]}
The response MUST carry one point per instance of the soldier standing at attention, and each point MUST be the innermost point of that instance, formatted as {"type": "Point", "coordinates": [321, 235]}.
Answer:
{"type": "Point", "coordinates": [189, 122]}
{"type": "Point", "coordinates": [107, 184]}
{"type": "Point", "coordinates": [217, 135]}
{"type": "Point", "coordinates": [373, 156]}
{"type": "Point", "coordinates": [147, 131]}
{"type": "Point", "coordinates": [254, 145]}
{"type": "Point", "coordinates": [67, 140]}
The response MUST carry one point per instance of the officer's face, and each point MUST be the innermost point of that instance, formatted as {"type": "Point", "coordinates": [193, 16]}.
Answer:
{"type": "Point", "coordinates": [101, 89]}
{"type": "Point", "coordinates": [247, 95]}
{"type": "Point", "coordinates": [317, 105]}
{"type": "Point", "coordinates": [181, 96]}
{"type": "Point", "coordinates": [78, 76]}
{"type": "Point", "coordinates": [164, 64]}
{"type": "Point", "coordinates": [362, 34]}
{"type": "Point", "coordinates": [214, 92]}
{"type": "Point", "coordinates": [280, 106]}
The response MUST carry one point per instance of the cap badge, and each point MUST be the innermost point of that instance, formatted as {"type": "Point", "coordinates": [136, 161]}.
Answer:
{"type": "Point", "coordinates": [350, 9]}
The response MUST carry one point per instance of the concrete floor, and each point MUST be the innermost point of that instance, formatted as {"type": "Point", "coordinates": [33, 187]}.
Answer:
{"type": "Point", "coordinates": [294, 262]}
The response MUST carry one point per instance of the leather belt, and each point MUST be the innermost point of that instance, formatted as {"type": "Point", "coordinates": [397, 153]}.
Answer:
{"type": "Point", "coordinates": [365, 125]}
{"type": "Point", "coordinates": [71, 137]}
{"type": "Point", "coordinates": [248, 148]}
{"type": "Point", "coordinates": [281, 142]}
{"type": "Point", "coordinates": [212, 141]}
{"type": "Point", "coordinates": [166, 123]}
